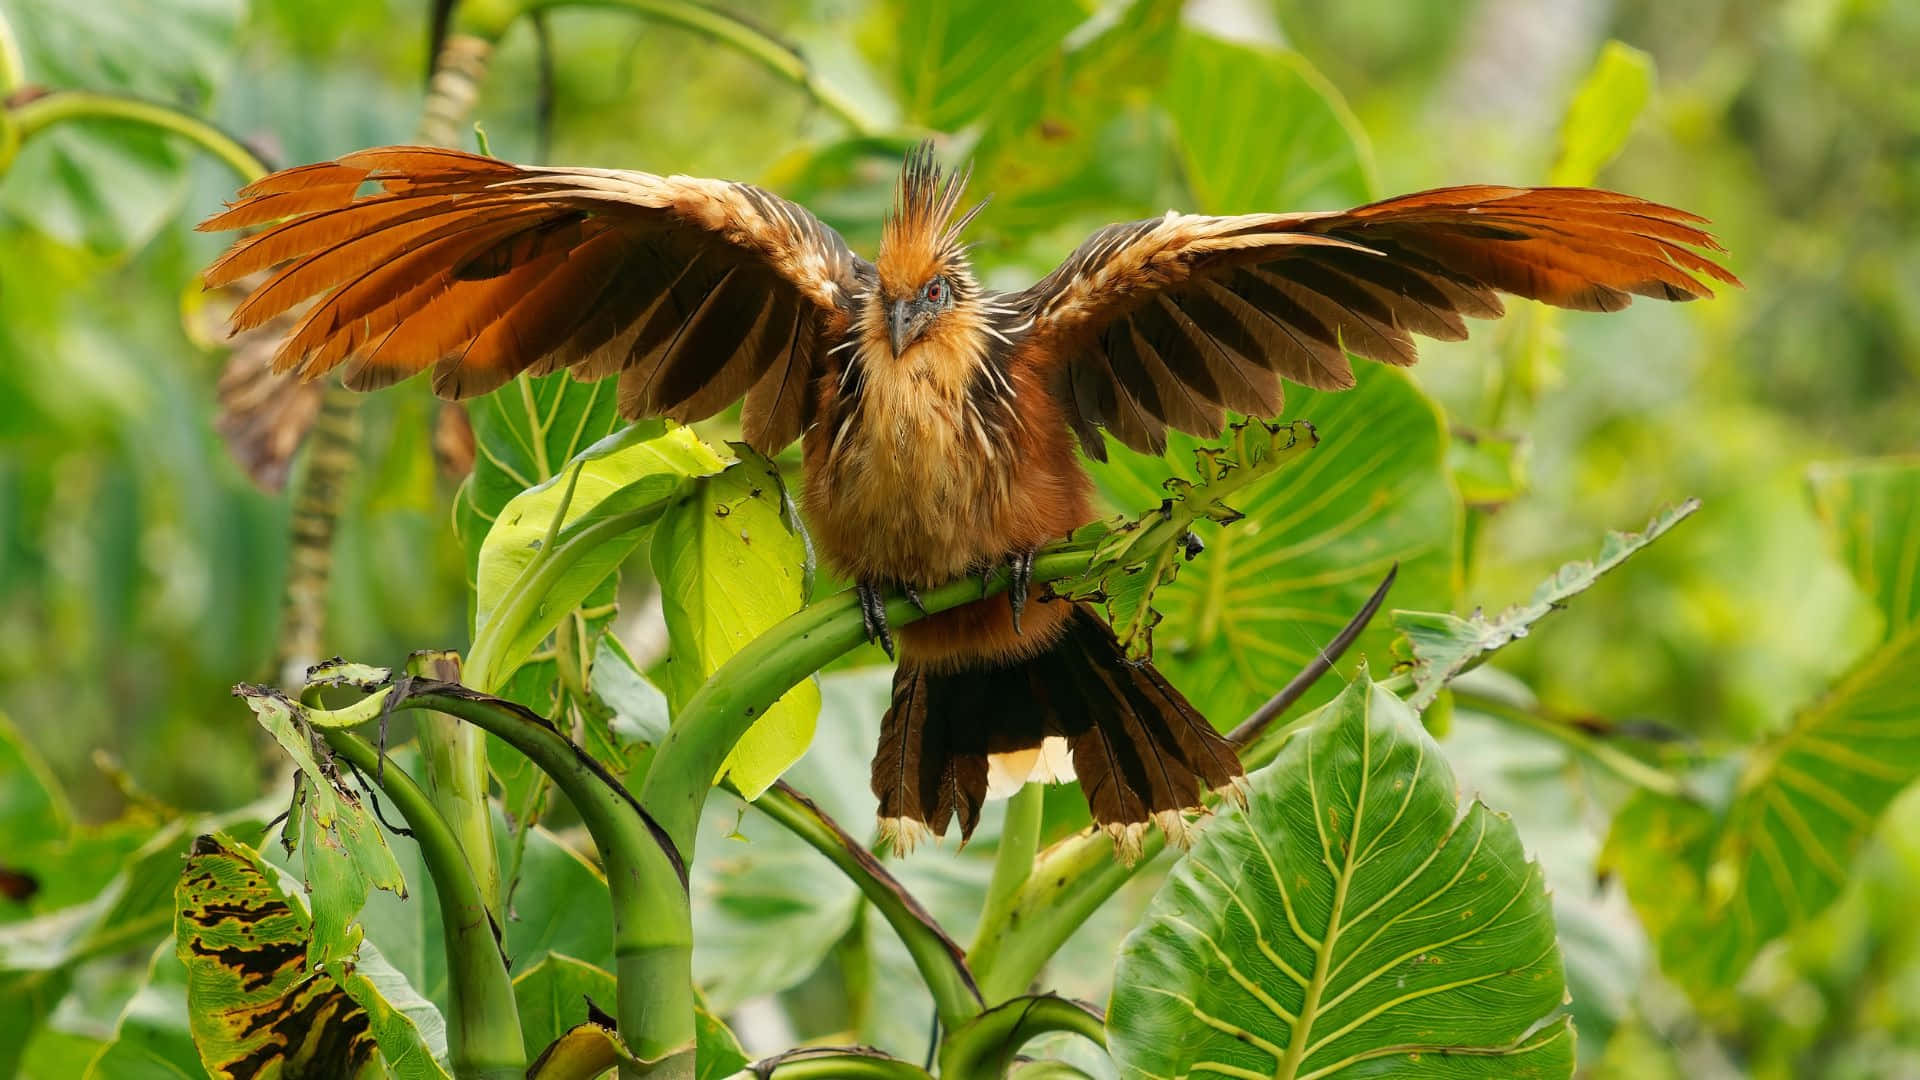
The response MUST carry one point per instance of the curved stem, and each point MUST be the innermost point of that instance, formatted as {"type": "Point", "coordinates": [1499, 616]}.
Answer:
{"type": "Point", "coordinates": [985, 1047]}
{"type": "Point", "coordinates": [483, 1028]}
{"type": "Point", "coordinates": [1012, 867]}
{"type": "Point", "coordinates": [772, 54]}
{"type": "Point", "coordinates": [652, 925]}
{"type": "Point", "coordinates": [455, 756]}
{"type": "Point", "coordinates": [751, 680]}
{"type": "Point", "coordinates": [1612, 758]}
{"type": "Point", "coordinates": [833, 1064]}
{"type": "Point", "coordinates": [941, 964]}
{"type": "Point", "coordinates": [61, 105]}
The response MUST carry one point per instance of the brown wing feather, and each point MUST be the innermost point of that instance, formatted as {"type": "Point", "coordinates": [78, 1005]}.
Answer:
{"type": "Point", "coordinates": [1155, 324]}
{"type": "Point", "coordinates": [695, 291]}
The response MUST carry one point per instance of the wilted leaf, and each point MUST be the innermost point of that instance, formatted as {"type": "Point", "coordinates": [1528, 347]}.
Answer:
{"type": "Point", "coordinates": [1354, 919]}
{"type": "Point", "coordinates": [732, 562]}
{"type": "Point", "coordinates": [1444, 645]}
{"type": "Point", "coordinates": [1602, 114]}
{"type": "Point", "coordinates": [254, 1004]}
{"type": "Point", "coordinates": [1261, 130]}
{"type": "Point", "coordinates": [345, 849]}
{"type": "Point", "coordinates": [1269, 592]}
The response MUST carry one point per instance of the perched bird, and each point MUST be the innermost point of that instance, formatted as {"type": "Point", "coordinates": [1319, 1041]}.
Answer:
{"type": "Point", "coordinates": [940, 420]}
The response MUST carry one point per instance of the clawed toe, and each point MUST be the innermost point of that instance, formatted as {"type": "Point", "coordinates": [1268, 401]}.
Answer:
{"type": "Point", "coordinates": [1022, 563]}
{"type": "Point", "coordinates": [873, 616]}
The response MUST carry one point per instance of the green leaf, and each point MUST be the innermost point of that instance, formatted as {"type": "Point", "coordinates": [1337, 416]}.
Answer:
{"type": "Point", "coordinates": [110, 185]}
{"type": "Point", "coordinates": [1268, 593]}
{"type": "Point", "coordinates": [1714, 888]}
{"type": "Point", "coordinates": [344, 847]}
{"type": "Point", "coordinates": [152, 1037]}
{"type": "Point", "coordinates": [954, 61]}
{"type": "Point", "coordinates": [1872, 513]}
{"type": "Point", "coordinates": [1261, 130]}
{"type": "Point", "coordinates": [1135, 558]}
{"type": "Point", "coordinates": [731, 563]}
{"type": "Point", "coordinates": [1602, 114]}
{"type": "Point", "coordinates": [1488, 467]}
{"type": "Point", "coordinates": [553, 996]}
{"type": "Point", "coordinates": [542, 542]}
{"type": "Point", "coordinates": [718, 1051]}
{"type": "Point", "coordinates": [253, 1001]}
{"type": "Point", "coordinates": [411, 1033]}
{"type": "Point", "coordinates": [34, 817]}
{"type": "Point", "coordinates": [1352, 920]}
{"type": "Point", "coordinates": [1444, 645]}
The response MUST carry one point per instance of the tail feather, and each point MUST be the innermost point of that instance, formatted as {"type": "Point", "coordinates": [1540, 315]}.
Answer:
{"type": "Point", "coordinates": [1141, 752]}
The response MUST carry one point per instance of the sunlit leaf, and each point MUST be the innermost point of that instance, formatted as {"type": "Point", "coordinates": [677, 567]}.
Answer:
{"type": "Point", "coordinates": [1444, 644]}
{"type": "Point", "coordinates": [1602, 114]}
{"type": "Point", "coordinates": [1261, 130]}
{"type": "Point", "coordinates": [1353, 920]}
{"type": "Point", "coordinates": [635, 466]}
{"type": "Point", "coordinates": [1249, 613]}
{"type": "Point", "coordinates": [345, 850]}
{"type": "Point", "coordinates": [584, 1052]}
{"type": "Point", "coordinates": [731, 563]}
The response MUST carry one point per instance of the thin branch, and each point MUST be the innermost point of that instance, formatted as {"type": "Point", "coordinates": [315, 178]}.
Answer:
{"type": "Point", "coordinates": [1607, 756]}
{"type": "Point", "coordinates": [776, 56]}
{"type": "Point", "coordinates": [62, 105]}
{"type": "Point", "coordinates": [834, 1063]}
{"type": "Point", "coordinates": [1254, 725]}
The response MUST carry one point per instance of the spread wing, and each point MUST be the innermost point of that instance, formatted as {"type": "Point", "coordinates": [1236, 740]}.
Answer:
{"type": "Point", "coordinates": [1171, 321]}
{"type": "Point", "coordinates": [693, 291]}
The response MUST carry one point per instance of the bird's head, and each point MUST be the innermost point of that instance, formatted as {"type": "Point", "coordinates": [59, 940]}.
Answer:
{"type": "Point", "coordinates": [926, 284]}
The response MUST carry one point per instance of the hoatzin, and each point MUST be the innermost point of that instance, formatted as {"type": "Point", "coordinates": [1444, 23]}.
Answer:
{"type": "Point", "coordinates": [940, 419]}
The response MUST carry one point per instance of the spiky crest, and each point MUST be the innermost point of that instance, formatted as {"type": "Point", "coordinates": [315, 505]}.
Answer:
{"type": "Point", "coordinates": [922, 236]}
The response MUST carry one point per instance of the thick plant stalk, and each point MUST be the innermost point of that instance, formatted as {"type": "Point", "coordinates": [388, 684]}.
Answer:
{"type": "Point", "coordinates": [455, 756]}
{"type": "Point", "coordinates": [985, 1047]}
{"type": "Point", "coordinates": [1012, 867]}
{"type": "Point", "coordinates": [332, 449]}
{"type": "Point", "coordinates": [483, 1026]}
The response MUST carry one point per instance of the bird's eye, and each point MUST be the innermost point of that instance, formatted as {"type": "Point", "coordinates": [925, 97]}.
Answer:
{"type": "Point", "coordinates": [936, 291]}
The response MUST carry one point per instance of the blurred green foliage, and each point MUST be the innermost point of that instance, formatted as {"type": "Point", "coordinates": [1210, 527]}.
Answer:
{"type": "Point", "coordinates": [140, 572]}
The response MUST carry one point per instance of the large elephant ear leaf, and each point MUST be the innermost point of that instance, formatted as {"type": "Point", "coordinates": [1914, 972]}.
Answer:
{"type": "Point", "coordinates": [1352, 920]}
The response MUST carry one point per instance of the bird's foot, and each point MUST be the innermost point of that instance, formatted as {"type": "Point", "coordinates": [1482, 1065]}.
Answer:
{"type": "Point", "coordinates": [873, 616]}
{"type": "Point", "coordinates": [913, 597]}
{"type": "Point", "coordinates": [1022, 563]}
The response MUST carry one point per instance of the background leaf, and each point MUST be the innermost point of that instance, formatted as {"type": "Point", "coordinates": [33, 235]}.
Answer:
{"type": "Point", "coordinates": [953, 61]}
{"type": "Point", "coordinates": [1250, 612]}
{"type": "Point", "coordinates": [1602, 114]}
{"type": "Point", "coordinates": [1353, 918]}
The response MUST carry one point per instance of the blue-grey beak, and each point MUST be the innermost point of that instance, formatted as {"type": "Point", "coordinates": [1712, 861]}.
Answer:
{"type": "Point", "coordinates": [900, 325]}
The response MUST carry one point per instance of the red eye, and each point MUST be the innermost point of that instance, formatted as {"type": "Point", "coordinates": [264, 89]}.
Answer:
{"type": "Point", "coordinates": [936, 290]}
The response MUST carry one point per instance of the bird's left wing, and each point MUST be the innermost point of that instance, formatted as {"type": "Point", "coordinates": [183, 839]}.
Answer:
{"type": "Point", "coordinates": [693, 291]}
{"type": "Point", "coordinates": [1170, 321]}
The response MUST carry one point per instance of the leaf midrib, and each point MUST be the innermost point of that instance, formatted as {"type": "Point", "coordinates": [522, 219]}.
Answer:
{"type": "Point", "coordinates": [1289, 1067]}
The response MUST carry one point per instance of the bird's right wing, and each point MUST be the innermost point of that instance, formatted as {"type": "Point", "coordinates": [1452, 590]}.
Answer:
{"type": "Point", "coordinates": [1170, 321]}
{"type": "Point", "coordinates": [693, 291]}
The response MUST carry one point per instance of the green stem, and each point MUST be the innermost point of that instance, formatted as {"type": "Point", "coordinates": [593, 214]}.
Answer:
{"type": "Point", "coordinates": [984, 1048]}
{"type": "Point", "coordinates": [1012, 867]}
{"type": "Point", "coordinates": [483, 1028]}
{"type": "Point", "coordinates": [775, 56]}
{"type": "Point", "coordinates": [652, 921]}
{"type": "Point", "coordinates": [62, 105]}
{"type": "Point", "coordinates": [517, 617]}
{"type": "Point", "coordinates": [1609, 757]}
{"type": "Point", "coordinates": [852, 1064]}
{"type": "Point", "coordinates": [13, 71]}
{"type": "Point", "coordinates": [942, 966]}
{"type": "Point", "coordinates": [751, 680]}
{"type": "Point", "coordinates": [455, 755]}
